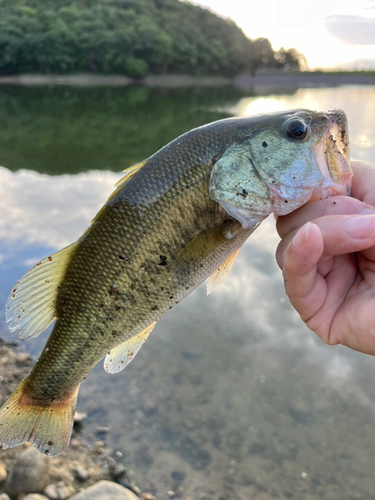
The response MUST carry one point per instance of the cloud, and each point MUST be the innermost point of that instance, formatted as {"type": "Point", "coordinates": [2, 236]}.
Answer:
{"type": "Point", "coordinates": [352, 30]}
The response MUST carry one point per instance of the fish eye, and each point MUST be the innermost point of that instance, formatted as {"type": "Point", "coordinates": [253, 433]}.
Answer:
{"type": "Point", "coordinates": [296, 130]}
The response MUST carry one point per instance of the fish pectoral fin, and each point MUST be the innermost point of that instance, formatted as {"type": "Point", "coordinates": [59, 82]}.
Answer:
{"type": "Point", "coordinates": [121, 355]}
{"type": "Point", "coordinates": [222, 272]}
{"type": "Point", "coordinates": [31, 305]}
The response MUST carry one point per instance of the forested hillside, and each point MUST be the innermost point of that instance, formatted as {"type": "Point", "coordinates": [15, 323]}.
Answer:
{"type": "Point", "coordinates": [132, 37]}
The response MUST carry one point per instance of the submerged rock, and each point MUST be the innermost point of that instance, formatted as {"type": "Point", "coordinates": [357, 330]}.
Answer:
{"type": "Point", "coordinates": [107, 490]}
{"type": "Point", "coordinates": [29, 475]}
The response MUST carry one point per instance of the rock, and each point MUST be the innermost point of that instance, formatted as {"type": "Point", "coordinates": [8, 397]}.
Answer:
{"type": "Point", "coordinates": [82, 474]}
{"type": "Point", "coordinates": [57, 491]}
{"type": "Point", "coordinates": [29, 475]}
{"type": "Point", "coordinates": [3, 473]}
{"type": "Point", "coordinates": [107, 490]}
{"type": "Point", "coordinates": [4, 496]}
{"type": "Point", "coordinates": [33, 496]}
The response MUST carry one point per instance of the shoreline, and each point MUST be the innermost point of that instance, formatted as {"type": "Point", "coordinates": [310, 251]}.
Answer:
{"type": "Point", "coordinates": [279, 80]}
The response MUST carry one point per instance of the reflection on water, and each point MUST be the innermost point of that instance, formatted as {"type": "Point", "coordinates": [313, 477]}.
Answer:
{"type": "Point", "coordinates": [231, 397]}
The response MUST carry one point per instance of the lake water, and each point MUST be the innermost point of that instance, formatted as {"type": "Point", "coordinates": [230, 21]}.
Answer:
{"type": "Point", "coordinates": [232, 397]}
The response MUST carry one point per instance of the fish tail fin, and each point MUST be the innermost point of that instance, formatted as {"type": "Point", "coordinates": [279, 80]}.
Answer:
{"type": "Point", "coordinates": [45, 425]}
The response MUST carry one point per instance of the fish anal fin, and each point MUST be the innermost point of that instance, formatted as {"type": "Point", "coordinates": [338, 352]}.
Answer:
{"type": "Point", "coordinates": [46, 425]}
{"type": "Point", "coordinates": [222, 272]}
{"type": "Point", "coordinates": [121, 355]}
{"type": "Point", "coordinates": [31, 305]}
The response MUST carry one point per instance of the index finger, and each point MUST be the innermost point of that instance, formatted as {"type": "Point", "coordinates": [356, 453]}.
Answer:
{"type": "Point", "coordinates": [338, 205]}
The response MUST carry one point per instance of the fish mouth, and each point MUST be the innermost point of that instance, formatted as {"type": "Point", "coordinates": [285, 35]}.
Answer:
{"type": "Point", "coordinates": [333, 157]}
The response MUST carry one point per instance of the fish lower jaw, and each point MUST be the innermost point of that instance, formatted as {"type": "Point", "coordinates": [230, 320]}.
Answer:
{"type": "Point", "coordinates": [330, 189]}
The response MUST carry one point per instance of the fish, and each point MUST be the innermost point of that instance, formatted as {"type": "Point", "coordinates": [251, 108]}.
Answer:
{"type": "Point", "coordinates": [173, 221]}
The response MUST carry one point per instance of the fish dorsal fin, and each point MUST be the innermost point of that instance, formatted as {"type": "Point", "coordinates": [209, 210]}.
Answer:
{"type": "Point", "coordinates": [129, 172]}
{"type": "Point", "coordinates": [31, 305]}
{"type": "Point", "coordinates": [221, 272]}
{"type": "Point", "coordinates": [121, 355]}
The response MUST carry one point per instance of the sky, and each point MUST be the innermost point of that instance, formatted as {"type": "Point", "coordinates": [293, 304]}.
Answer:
{"type": "Point", "coordinates": [338, 34]}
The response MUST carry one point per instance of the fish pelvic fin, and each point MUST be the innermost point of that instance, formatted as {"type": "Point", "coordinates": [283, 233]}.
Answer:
{"type": "Point", "coordinates": [221, 272]}
{"type": "Point", "coordinates": [121, 355]}
{"type": "Point", "coordinates": [31, 305]}
{"type": "Point", "coordinates": [46, 425]}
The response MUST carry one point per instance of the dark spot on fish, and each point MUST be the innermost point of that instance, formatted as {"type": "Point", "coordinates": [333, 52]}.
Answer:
{"type": "Point", "coordinates": [121, 257]}
{"type": "Point", "coordinates": [50, 258]}
{"type": "Point", "coordinates": [286, 201]}
{"type": "Point", "coordinates": [146, 294]}
{"type": "Point", "coordinates": [171, 297]}
{"type": "Point", "coordinates": [154, 308]}
{"type": "Point", "coordinates": [50, 443]}
{"type": "Point", "coordinates": [163, 260]}
{"type": "Point", "coordinates": [114, 333]}
{"type": "Point", "coordinates": [162, 288]}
{"type": "Point", "coordinates": [187, 288]}
{"type": "Point", "coordinates": [46, 281]}
{"type": "Point", "coordinates": [14, 290]}
{"type": "Point", "coordinates": [113, 292]}
{"type": "Point", "coordinates": [101, 305]}
{"type": "Point", "coordinates": [117, 308]}
{"type": "Point", "coordinates": [334, 202]}
{"type": "Point", "coordinates": [264, 144]}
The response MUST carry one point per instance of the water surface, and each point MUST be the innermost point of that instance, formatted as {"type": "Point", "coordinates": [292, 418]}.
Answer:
{"type": "Point", "coordinates": [232, 397]}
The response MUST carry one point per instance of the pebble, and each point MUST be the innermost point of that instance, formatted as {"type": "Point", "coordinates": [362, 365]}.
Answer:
{"type": "Point", "coordinates": [29, 475]}
{"type": "Point", "coordinates": [117, 470]}
{"type": "Point", "coordinates": [57, 491]}
{"type": "Point", "coordinates": [79, 417]}
{"type": "Point", "coordinates": [171, 494]}
{"type": "Point", "coordinates": [107, 490]}
{"type": "Point", "coordinates": [3, 473]}
{"type": "Point", "coordinates": [101, 429]}
{"type": "Point", "coordinates": [74, 443]}
{"type": "Point", "coordinates": [78, 420]}
{"type": "Point", "coordinates": [33, 496]}
{"type": "Point", "coordinates": [22, 358]}
{"type": "Point", "coordinates": [82, 473]}
{"type": "Point", "coordinates": [4, 496]}
{"type": "Point", "coordinates": [148, 496]}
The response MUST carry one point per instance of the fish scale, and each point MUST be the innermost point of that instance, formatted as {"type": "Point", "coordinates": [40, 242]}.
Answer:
{"type": "Point", "coordinates": [172, 221]}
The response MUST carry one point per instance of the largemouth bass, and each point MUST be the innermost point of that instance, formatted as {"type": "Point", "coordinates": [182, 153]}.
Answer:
{"type": "Point", "coordinates": [173, 221]}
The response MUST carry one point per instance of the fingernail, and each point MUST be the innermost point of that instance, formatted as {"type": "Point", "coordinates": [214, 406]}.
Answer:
{"type": "Point", "coordinates": [302, 236]}
{"type": "Point", "coordinates": [368, 211]}
{"type": "Point", "coordinates": [360, 227]}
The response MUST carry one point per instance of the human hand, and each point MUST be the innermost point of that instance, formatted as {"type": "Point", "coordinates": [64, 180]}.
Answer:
{"type": "Point", "coordinates": [327, 256]}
